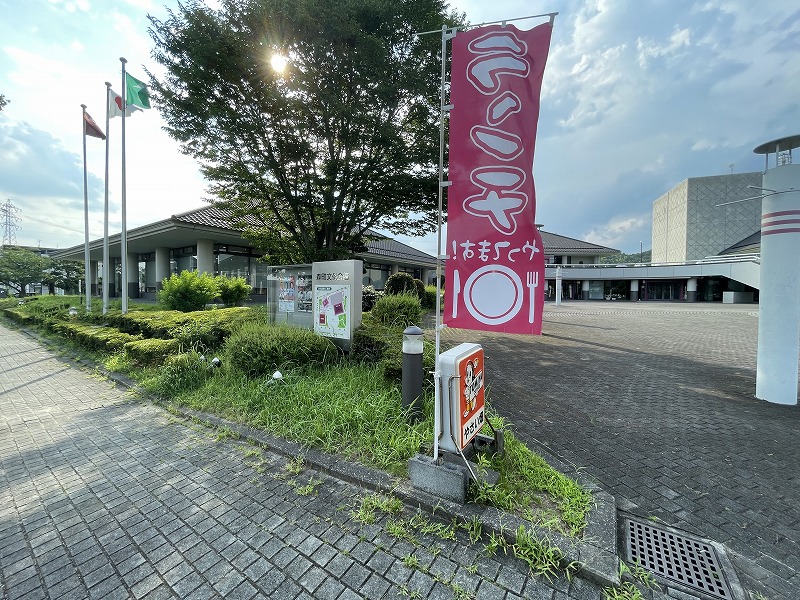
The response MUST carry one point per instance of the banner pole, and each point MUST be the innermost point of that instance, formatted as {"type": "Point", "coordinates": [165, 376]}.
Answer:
{"type": "Point", "coordinates": [437, 376]}
{"type": "Point", "coordinates": [106, 270]}
{"type": "Point", "coordinates": [87, 272]}
{"type": "Point", "coordinates": [124, 234]}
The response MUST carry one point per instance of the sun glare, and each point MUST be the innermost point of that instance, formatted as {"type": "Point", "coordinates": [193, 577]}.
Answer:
{"type": "Point", "coordinates": [279, 62]}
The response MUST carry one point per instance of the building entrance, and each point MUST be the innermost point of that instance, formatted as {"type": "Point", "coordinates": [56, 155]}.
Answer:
{"type": "Point", "coordinates": [660, 290]}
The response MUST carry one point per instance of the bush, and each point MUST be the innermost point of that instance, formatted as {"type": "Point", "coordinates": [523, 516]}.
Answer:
{"type": "Point", "coordinates": [258, 349]}
{"type": "Point", "coordinates": [95, 337]}
{"type": "Point", "coordinates": [209, 329]}
{"type": "Point", "coordinates": [188, 291]}
{"type": "Point", "coordinates": [369, 296]}
{"type": "Point", "coordinates": [151, 352]}
{"type": "Point", "coordinates": [398, 311]}
{"type": "Point", "coordinates": [400, 283]}
{"type": "Point", "coordinates": [233, 291]}
{"type": "Point", "coordinates": [419, 287]}
{"type": "Point", "coordinates": [429, 297]}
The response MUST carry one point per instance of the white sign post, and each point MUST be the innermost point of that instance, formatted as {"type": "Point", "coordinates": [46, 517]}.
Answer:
{"type": "Point", "coordinates": [337, 299]}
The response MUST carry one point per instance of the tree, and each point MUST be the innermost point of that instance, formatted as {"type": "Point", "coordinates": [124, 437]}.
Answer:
{"type": "Point", "coordinates": [345, 139]}
{"type": "Point", "coordinates": [3, 102]}
{"type": "Point", "coordinates": [20, 267]}
{"type": "Point", "coordinates": [64, 274]}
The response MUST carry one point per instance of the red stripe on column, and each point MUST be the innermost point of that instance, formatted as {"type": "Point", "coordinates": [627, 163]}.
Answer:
{"type": "Point", "coordinates": [779, 222]}
{"type": "Point", "coordinates": [780, 213]}
{"type": "Point", "coordinates": [788, 230]}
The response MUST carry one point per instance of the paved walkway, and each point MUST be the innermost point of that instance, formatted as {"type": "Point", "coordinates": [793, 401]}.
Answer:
{"type": "Point", "coordinates": [655, 401]}
{"type": "Point", "coordinates": [106, 496]}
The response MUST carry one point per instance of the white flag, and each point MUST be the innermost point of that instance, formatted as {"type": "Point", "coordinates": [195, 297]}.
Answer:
{"type": "Point", "coordinates": [115, 106]}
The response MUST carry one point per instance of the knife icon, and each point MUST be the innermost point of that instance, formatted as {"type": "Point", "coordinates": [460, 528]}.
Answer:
{"type": "Point", "coordinates": [456, 292]}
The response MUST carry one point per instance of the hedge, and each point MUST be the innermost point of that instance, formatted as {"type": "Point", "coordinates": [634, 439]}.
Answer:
{"type": "Point", "coordinates": [153, 351]}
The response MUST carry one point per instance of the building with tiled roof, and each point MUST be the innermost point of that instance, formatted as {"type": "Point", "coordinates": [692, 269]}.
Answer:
{"type": "Point", "coordinates": [204, 239]}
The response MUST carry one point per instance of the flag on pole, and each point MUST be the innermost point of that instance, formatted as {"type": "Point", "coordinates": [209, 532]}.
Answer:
{"type": "Point", "coordinates": [136, 92]}
{"type": "Point", "coordinates": [91, 128]}
{"type": "Point", "coordinates": [115, 105]}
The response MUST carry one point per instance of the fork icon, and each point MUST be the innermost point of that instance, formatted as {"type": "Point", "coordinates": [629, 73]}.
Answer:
{"type": "Point", "coordinates": [533, 283]}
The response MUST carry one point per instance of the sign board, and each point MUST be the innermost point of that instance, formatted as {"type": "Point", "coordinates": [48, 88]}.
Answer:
{"type": "Point", "coordinates": [337, 299]}
{"type": "Point", "coordinates": [463, 403]}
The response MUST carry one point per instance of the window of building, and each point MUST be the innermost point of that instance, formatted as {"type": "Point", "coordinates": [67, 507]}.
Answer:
{"type": "Point", "coordinates": [376, 275]}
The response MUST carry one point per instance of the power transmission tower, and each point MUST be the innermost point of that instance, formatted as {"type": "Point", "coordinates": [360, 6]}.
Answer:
{"type": "Point", "coordinates": [9, 218]}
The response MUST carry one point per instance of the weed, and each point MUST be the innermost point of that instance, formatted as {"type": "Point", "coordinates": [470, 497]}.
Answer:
{"type": "Point", "coordinates": [472, 569]}
{"type": "Point", "coordinates": [295, 465]}
{"type": "Point", "coordinates": [626, 591]}
{"type": "Point", "coordinates": [411, 561]}
{"type": "Point", "coordinates": [251, 452]}
{"type": "Point", "coordinates": [365, 513]}
{"type": "Point", "coordinates": [459, 593]}
{"type": "Point", "coordinates": [409, 593]}
{"type": "Point", "coordinates": [224, 433]}
{"type": "Point", "coordinates": [473, 528]}
{"type": "Point", "coordinates": [639, 574]}
{"type": "Point", "coordinates": [541, 558]}
{"type": "Point", "coordinates": [400, 530]}
{"type": "Point", "coordinates": [497, 541]}
{"type": "Point", "coordinates": [424, 526]}
{"type": "Point", "coordinates": [309, 488]}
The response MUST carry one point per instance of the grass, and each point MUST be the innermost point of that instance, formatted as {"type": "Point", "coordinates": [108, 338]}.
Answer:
{"type": "Point", "coordinates": [531, 488]}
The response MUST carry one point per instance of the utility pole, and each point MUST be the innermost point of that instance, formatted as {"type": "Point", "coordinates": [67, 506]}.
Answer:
{"type": "Point", "coordinates": [9, 220]}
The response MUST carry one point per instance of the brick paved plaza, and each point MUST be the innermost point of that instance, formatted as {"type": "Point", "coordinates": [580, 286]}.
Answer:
{"type": "Point", "coordinates": [104, 495]}
{"type": "Point", "coordinates": [656, 403]}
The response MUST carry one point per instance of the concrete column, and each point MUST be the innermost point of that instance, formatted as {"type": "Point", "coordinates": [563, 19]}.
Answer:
{"type": "Point", "coordinates": [426, 275]}
{"type": "Point", "coordinates": [779, 295]}
{"type": "Point", "coordinates": [634, 290]}
{"type": "Point", "coordinates": [558, 286]}
{"type": "Point", "coordinates": [691, 290]}
{"type": "Point", "coordinates": [162, 266]}
{"type": "Point", "coordinates": [133, 275]}
{"type": "Point", "coordinates": [585, 289]}
{"type": "Point", "coordinates": [93, 277]}
{"type": "Point", "coordinates": [205, 257]}
{"type": "Point", "coordinates": [395, 269]}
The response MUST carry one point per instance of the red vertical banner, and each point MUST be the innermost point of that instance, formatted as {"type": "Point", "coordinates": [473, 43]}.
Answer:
{"type": "Point", "coordinates": [494, 278]}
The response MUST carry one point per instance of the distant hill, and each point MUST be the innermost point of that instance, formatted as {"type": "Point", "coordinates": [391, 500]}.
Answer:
{"type": "Point", "coordinates": [627, 258]}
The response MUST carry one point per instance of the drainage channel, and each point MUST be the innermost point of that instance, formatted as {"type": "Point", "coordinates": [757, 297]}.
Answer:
{"type": "Point", "coordinates": [688, 561]}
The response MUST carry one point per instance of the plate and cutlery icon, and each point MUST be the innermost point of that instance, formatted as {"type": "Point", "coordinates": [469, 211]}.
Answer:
{"type": "Point", "coordinates": [494, 294]}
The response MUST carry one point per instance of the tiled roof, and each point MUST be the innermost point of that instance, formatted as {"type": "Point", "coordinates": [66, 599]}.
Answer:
{"type": "Point", "coordinates": [213, 216]}
{"type": "Point", "coordinates": [559, 244]}
{"type": "Point", "coordinates": [750, 244]}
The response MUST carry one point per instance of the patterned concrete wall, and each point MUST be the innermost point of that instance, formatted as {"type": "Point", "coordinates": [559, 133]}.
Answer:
{"type": "Point", "coordinates": [689, 224]}
{"type": "Point", "coordinates": [669, 225]}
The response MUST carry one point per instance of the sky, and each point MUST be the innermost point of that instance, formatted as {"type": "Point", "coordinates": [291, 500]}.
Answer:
{"type": "Point", "coordinates": [637, 96]}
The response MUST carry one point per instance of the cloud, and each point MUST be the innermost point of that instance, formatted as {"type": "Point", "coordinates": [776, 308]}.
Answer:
{"type": "Point", "coordinates": [35, 164]}
{"type": "Point", "coordinates": [618, 231]}
{"type": "Point", "coordinates": [678, 41]}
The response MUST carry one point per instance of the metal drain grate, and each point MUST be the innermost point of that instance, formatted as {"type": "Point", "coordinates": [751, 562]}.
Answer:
{"type": "Point", "coordinates": [685, 560]}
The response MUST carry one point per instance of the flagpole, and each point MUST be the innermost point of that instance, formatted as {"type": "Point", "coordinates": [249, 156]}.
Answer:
{"type": "Point", "coordinates": [86, 271]}
{"type": "Point", "coordinates": [106, 268]}
{"type": "Point", "coordinates": [124, 235]}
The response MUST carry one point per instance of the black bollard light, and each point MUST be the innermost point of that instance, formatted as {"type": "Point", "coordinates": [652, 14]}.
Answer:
{"type": "Point", "coordinates": [413, 373]}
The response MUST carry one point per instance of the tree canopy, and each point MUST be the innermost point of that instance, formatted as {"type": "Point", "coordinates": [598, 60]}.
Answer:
{"type": "Point", "coordinates": [345, 138]}
{"type": "Point", "coordinates": [20, 267]}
